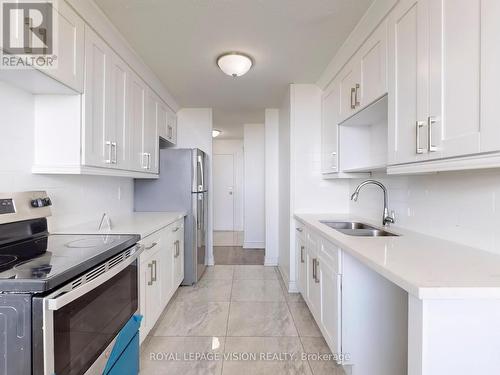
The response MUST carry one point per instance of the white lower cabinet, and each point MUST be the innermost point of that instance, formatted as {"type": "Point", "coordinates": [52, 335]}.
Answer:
{"type": "Point", "coordinates": [161, 272]}
{"type": "Point", "coordinates": [362, 316]}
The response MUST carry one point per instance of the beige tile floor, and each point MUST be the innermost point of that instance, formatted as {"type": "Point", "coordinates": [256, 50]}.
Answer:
{"type": "Point", "coordinates": [237, 320]}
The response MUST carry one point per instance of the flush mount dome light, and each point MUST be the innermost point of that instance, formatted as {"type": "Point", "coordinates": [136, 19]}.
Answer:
{"type": "Point", "coordinates": [215, 133]}
{"type": "Point", "coordinates": [234, 64]}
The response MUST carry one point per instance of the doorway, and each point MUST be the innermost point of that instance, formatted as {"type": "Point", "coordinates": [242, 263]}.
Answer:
{"type": "Point", "coordinates": [229, 202]}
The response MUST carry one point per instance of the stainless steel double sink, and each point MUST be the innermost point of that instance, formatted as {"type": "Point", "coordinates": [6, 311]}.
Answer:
{"type": "Point", "coordinates": [357, 229]}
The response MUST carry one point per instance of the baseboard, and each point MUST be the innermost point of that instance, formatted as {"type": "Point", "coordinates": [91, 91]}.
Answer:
{"type": "Point", "coordinates": [292, 287]}
{"type": "Point", "coordinates": [270, 262]}
{"type": "Point", "coordinates": [254, 245]}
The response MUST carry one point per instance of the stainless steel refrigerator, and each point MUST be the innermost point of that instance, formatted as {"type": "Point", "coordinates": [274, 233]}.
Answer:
{"type": "Point", "coordinates": [182, 186]}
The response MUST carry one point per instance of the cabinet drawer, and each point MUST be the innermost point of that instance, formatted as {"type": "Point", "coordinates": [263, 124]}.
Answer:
{"type": "Point", "coordinates": [300, 230]}
{"type": "Point", "coordinates": [151, 244]}
{"type": "Point", "coordinates": [332, 255]}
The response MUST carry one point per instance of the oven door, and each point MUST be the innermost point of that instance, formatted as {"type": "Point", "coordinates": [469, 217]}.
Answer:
{"type": "Point", "coordinates": [82, 319]}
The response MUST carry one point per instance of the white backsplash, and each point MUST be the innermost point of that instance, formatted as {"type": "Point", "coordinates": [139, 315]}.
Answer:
{"type": "Point", "coordinates": [76, 199]}
{"type": "Point", "coordinates": [463, 207]}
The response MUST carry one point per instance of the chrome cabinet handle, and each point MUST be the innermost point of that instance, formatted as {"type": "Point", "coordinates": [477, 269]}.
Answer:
{"type": "Point", "coordinates": [353, 102]}
{"type": "Point", "coordinates": [176, 229]}
{"type": "Point", "coordinates": [150, 266]}
{"type": "Point", "coordinates": [114, 147]}
{"type": "Point", "coordinates": [356, 96]}
{"type": "Point", "coordinates": [431, 120]}
{"type": "Point", "coordinates": [177, 248]}
{"type": "Point", "coordinates": [419, 125]}
{"type": "Point", "coordinates": [155, 264]}
{"type": "Point", "coordinates": [144, 164]}
{"type": "Point", "coordinates": [149, 160]}
{"type": "Point", "coordinates": [302, 254]}
{"type": "Point", "coordinates": [316, 279]}
{"type": "Point", "coordinates": [170, 132]}
{"type": "Point", "coordinates": [314, 268]}
{"type": "Point", "coordinates": [109, 160]}
{"type": "Point", "coordinates": [151, 246]}
{"type": "Point", "coordinates": [300, 230]}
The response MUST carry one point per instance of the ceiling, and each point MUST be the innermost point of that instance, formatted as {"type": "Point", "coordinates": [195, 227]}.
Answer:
{"type": "Point", "coordinates": [291, 41]}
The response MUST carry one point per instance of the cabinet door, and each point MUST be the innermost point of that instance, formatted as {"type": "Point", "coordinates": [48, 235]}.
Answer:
{"type": "Point", "coordinates": [70, 48]}
{"type": "Point", "coordinates": [300, 250]}
{"type": "Point", "coordinates": [167, 268]}
{"type": "Point", "coordinates": [373, 66]}
{"type": "Point", "coordinates": [407, 83]}
{"type": "Point", "coordinates": [96, 149]}
{"type": "Point", "coordinates": [329, 130]}
{"type": "Point", "coordinates": [150, 142]}
{"type": "Point", "coordinates": [313, 289]}
{"type": "Point", "coordinates": [454, 77]}
{"type": "Point", "coordinates": [349, 89]}
{"type": "Point", "coordinates": [117, 130]}
{"type": "Point", "coordinates": [330, 285]}
{"type": "Point", "coordinates": [172, 127]}
{"type": "Point", "coordinates": [147, 295]}
{"type": "Point", "coordinates": [490, 75]}
{"type": "Point", "coordinates": [178, 247]}
{"type": "Point", "coordinates": [137, 97]}
{"type": "Point", "coordinates": [162, 120]}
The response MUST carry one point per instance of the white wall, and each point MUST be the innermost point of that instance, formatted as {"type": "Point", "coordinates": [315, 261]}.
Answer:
{"type": "Point", "coordinates": [194, 130]}
{"type": "Point", "coordinates": [76, 199]}
{"type": "Point", "coordinates": [300, 146]}
{"type": "Point", "coordinates": [284, 186]}
{"type": "Point", "coordinates": [462, 206]}
{"type": "Point", "coordinates": [234, 147]}
{"type": "Point", "coordinates": [254, 211]}
{"type": "Point", "coordinates": [272, 186]}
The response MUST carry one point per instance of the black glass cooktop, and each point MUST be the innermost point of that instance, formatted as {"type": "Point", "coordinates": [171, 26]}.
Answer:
{"type": "Point", "coordinates": [41, 262]}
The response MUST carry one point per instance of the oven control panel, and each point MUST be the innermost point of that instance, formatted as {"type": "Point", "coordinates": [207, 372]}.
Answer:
{"type": "Point", "coordinates": [25, 205]}
{"type": "Point", "coordinates": [7, 206]}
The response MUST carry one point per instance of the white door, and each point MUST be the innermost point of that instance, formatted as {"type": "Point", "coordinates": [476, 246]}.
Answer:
{"type": "Point", "coordinates": [223, 174]}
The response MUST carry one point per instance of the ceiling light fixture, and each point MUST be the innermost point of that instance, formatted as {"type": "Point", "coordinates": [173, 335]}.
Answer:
{"type": "Point", "coordinates": [234, 64]}
{"type": "Point", "coordinates": [216, 133]}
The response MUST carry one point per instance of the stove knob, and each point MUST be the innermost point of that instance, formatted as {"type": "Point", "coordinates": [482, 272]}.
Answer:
{"type": "Point", "coordinates": [41, 202]}
{"type": "Point", "coordinates": [37, 203]}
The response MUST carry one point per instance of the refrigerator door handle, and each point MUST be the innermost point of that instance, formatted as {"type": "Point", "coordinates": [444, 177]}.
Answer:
{"type": "Point", "coordinates": [202, 173]}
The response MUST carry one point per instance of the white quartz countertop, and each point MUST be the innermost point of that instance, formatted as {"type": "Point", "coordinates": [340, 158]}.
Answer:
{"type": "Point", "coordinates": [427, 267]}
{"type": "Point", "coordinates": [141, 223]}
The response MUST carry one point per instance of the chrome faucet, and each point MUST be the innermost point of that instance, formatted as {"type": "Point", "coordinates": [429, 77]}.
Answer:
{"type": "Point", "coordinates": [387, 219]}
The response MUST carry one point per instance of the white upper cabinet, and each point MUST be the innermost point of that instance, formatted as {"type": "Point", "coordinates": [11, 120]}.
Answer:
{"type": "Point", "coordinates": [407, 99]}
{"type": "Point", "coordinates": [490, 75]}
{"type": "Point", "coordinates": [138, 160]}
{"type": "Point", "coordinates": [96, 150]}
{"type": "Point", "coordinates": [453, 117]}
{"type": "Point", "coordinates": [435, 80]}
{"type": "Point", "coordinates": [330, 126]}
{"type": "Point", "coordinates": [364, 78]}
{"type": "Point", "coordinates": [150, 140]}
{"type": "Point", "coordinates": [349, 89]}
{"type": "Point", "coordinates": [70, 41]}
{"type": "Point", "coordinates": [167, 123]}
{"type": "Point", "coordinates": [373, 67]}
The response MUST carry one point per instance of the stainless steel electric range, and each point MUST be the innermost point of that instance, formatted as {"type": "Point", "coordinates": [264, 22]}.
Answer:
{"type": "Point", "coordinates": [63, 298]}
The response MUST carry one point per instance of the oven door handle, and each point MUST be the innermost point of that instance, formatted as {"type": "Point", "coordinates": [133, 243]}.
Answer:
{"type": "Point", "coordinates": [68, 294]}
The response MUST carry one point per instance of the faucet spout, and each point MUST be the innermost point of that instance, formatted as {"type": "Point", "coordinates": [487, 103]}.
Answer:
{"type": "Point", "coordinates": [387, 218]}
